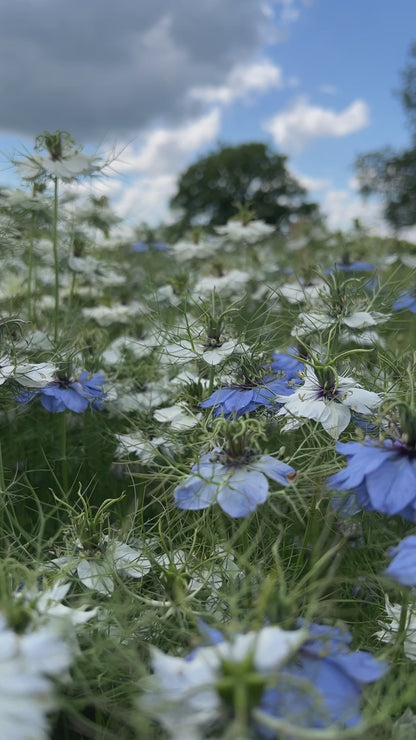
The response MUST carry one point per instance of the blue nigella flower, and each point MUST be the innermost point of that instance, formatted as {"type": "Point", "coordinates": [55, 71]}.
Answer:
{"type": "Point", "coordinates": [322, 685]}
{"type": "Point", "coordinates": [356, 266]}
{"type": "Point", "coordinates": [288, 364]}
{"type": "Point", "coordinates": [143, 247]}
{"type": "Point", "coordinates": [139, 247]}
{"type": "Point", "coordinates": [237, 400]}
{"type": "Point", "coordinates": [307, 677]}
{"type": "Point", "coordinates": [383, 476]}
{"type": "Point", "coordinates": [239, 486]}
{"type": "Point", "coordinates": [403, 565]}
{"type": "Point", "coordinates": [69, 394]}
{"type": "Point", "coordinates": [405, 300]}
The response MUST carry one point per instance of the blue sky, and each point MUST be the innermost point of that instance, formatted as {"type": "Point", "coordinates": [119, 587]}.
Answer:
{"type": "Point", "coordinates": [161, 83]}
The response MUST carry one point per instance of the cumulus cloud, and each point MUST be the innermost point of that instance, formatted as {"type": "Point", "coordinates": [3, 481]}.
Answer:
{"type": "Point", "coordinates": [99, 67]}
{"type": "Point", "coordinates": [242, 80]}
{"type": "Point", "coordinates": [312, 184]}
{"type": "Point", "coordinates": [343, 206]}
{"type": "Point", "coordinates": [146, 199]}
{"type": "Point", "coordinates": [164, 150]}
{"type": "Point", "coordinates": [144, 177]}
{"type": "Point", "coordinates": [301, 123]}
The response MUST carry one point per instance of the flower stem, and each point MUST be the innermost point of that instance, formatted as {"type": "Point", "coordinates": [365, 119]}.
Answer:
{"type": "Point", "coordinates": [64, 459]}
{"type": "Point", "coordinates": [30, 274]}
{"type": "Point", "coordinates": [55, 255]}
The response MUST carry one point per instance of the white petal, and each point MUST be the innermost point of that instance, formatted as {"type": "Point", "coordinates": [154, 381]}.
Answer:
{"type": "Point", "coordinates": [336, 418]}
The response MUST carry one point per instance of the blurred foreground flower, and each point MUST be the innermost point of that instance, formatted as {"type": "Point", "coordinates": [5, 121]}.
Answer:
{"type": "Point", "coordinates": [272, 681]}
{"type": "Point", "coordinates": [28, 665]}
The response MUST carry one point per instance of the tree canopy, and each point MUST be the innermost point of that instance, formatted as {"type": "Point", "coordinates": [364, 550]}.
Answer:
{"type": "Point", "coordinates": [251, 175]}
{"type": "Point", "coordinates": [391, 174]}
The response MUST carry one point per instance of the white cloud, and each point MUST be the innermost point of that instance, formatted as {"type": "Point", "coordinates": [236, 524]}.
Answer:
{"type": "Point", "coordinates": [311, 183]}
{"type": "Point", "coordinates": [301, 123]}
{"type": "Point", "coordinates": [242, 80]}
{"type": "Point", "coordinates": [343, 206]}
{"type": "Point", "coordinates": [166, 150]}
{"type": "Point", "coordinates": [328, 89]}
{"type": "Point", "coordinates": [142, 181]}
{"type": "Point", "coordinates": [147, 199]}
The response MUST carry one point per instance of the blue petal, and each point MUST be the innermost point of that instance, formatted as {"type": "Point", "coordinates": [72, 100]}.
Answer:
{"type": "Point", "coordinates": [73, 401]}
{"type": "Point", "coordinates": [195, 494]}
{"type": "Point", "coordinates": [242, 493]}
{"type": "Point", "coordinates": [392, 486]}
{"type": "Point", "coordinates": [403, 566]}
{"type": "Point", "coordinates": [274, 469]}
{"type": "Point", "coordinates": [361, 666]}
{"type": "Point", "coordinates": [52, 403]}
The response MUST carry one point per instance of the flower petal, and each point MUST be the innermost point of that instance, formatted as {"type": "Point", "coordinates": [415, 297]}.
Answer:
{"type": "Point", "coordinates": [243, 492]}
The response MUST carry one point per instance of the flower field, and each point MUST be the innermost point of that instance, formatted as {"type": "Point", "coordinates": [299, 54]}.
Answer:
{"type": "Point", "coordinates": [208, 474]}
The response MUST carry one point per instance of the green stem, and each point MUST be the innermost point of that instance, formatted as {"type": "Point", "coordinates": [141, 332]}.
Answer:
{"type": "Point", "coordinates": [30, 275]}
{"type": "Point", "coordinates": [55, 255]}
{"type": "Point", "coordinates": [404, 615]}
{"type": "Point", "coordinates": [211, 379]}
{"type": "Point", "coordinates": [64, 459]}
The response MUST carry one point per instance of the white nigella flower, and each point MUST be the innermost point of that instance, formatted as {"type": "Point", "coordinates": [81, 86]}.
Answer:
{"type": "Point", "coordinates": [187, 377]}
{"type": "Point", "coordinates": [27, 694]}
{"type": "Point", "coordinates": [125, 398]}
{"type": "Point", "coordinates": [250, 232]}
{"type": "Point", "coordinates": [96, 567]}
{"type": "Point", "coordinates": [117, 313]}
{"type": "Point", "coordinates": [7, 369]}
{"type": "Point", "coordinates": [178, 416]}
{"type": "Point", "coordinates": [185, 250]}
{"type": "Point", "coordinates": [389, 630]}
{"type": "Point", "coordinates": [320, 321]}
{"type": "Point", "coordinates": [300, 291]}
{"type": "Point", "coordinates": [35, 374]}
{"type": "Point", "coordinates": [212, 351]}
{"type": "Point", "coordinates": [409, 260]}
{"type": "Point", "coordinates": [226, 284]}
{"type": "Point", "coordinates": [123, 345]}
{"type": "Point", "coordinates": [327, 398]}
{"type": "Point", "coordinates": [183, 693]}
{"type": "Point", "coordinates": [12, 285]}
{"type": "Point", "coordinates": [143, 448]}
{"type": "Point", "coordinates": [30, 375]}
{"type": "Point", "coordinates": [166, 294]}
{"type": "Point", "coordinates": [45, 603]}
{"type": "Point", "coordinates": [364, 338]}
{"type": "Point", "coordinates": [61, 159]}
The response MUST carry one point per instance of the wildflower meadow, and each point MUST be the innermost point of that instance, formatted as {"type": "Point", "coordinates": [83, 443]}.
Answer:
{"type": "Point", "coordinates": [207, 473]}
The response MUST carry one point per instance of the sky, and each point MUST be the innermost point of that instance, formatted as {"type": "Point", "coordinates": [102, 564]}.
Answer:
{"type": "Point", "coordinates": [155, 85]}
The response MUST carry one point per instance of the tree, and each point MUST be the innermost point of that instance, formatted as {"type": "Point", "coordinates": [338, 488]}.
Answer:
{"type": "Point", "coordinates": [390, 174]}
{"type": "Point", "coordinates": [251, 175]}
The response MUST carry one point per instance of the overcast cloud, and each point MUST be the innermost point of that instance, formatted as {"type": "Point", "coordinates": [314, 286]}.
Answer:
{"type": "Point", "coordinates": [113, 67]}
